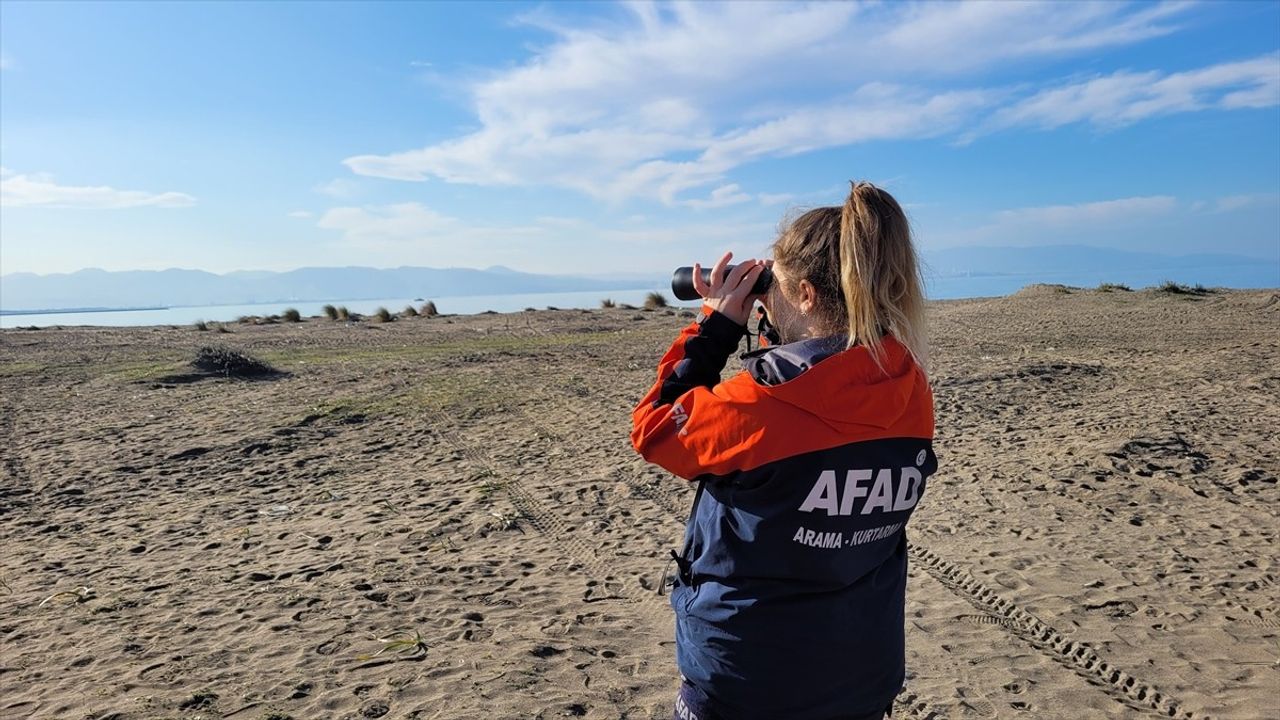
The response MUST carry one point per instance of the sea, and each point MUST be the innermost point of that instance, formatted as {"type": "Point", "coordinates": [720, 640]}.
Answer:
{"type": "Point", "coordinates": [937, 288]}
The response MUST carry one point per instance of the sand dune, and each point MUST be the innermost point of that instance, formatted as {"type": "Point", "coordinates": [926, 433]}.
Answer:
{"type": "Point", "coordinates": [443, 518]}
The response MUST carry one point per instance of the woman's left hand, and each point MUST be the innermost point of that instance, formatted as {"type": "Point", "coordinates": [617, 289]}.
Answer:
{"type": "Point", "coordinates": [731, 296]}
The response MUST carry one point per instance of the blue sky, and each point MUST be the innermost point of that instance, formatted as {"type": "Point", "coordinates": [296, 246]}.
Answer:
{"type": "Point", "coordinates": [594, 137]}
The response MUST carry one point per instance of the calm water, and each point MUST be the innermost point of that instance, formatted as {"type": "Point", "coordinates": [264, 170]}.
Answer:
{"type": "Point", "coordinates": [939, 288]}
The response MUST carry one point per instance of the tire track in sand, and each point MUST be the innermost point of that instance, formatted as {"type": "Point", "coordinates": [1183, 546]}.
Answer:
{"type": "Point", "coordinates": [1078, 656]}
{"type": "Point", "coordinates": [533, 511]}
{"type": "Point", "coordinates": [16, 486]}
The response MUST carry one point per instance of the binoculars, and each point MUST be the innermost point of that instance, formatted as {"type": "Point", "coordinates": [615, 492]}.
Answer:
{"type": "Point", "coordinates": [682, 282]}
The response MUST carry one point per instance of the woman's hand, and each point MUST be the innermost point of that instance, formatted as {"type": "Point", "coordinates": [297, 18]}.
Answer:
{"type": "Point", "coordinates": [731, 296]}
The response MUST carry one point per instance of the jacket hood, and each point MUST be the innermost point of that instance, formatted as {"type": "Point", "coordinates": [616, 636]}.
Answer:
{"type": "Point", "coordinates": [842, 386]}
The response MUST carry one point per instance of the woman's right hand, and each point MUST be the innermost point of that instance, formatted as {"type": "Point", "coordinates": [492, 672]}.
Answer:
{"type": "Point", "coordinates": [731, 296]}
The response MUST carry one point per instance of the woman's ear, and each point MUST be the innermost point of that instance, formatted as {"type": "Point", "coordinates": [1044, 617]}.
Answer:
{"type": "Point", "coordinates": [808, 297]}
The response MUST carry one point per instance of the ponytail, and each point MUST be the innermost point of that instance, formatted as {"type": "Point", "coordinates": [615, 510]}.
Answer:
{"type": "Point", "coordinates": [879, 275]}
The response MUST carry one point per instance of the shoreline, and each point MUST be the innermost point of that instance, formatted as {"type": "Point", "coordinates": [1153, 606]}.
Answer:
{"type": "Point", "coordinates": [1179, 289]}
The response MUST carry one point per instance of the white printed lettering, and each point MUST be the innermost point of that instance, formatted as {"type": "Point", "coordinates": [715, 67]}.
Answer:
{"type": "Point", "coordinates": [907, 496]}
{"type": "Point", "coordinates": [881, 494]}
{"type": "Point", "coordinates": [823, 494]}
{"type": "Point", "coordinates": [853, 489]}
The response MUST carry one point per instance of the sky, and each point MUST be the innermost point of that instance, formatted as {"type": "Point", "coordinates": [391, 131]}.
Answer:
{"type": "Point", "coordinates": [602, 138]}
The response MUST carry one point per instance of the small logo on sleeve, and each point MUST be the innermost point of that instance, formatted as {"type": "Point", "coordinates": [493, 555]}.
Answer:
{"type": "Point", "coordinates": [680, 416]}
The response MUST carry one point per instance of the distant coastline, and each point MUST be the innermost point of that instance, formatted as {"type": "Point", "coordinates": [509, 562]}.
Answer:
{"type": "Point", "coordinates": [56, 311]}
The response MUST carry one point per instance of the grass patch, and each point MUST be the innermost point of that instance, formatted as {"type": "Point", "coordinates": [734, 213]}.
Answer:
{"type": "Point", "coordinates": [608, 303]}
{"type": "Point", "coordinates": [428, 309]}
{"type": "Point", "coordinates": [230, 363]}
{"type": "Point", "coordinates": [20, 368]}
{"type": "Point", "coordinates": [654, 301]}
{"type": "Point", "coordinates": [403, 644]}
{"type": "Point", "coordinates": [142, 370]}
{"type": "Point", "coordinates": [408, 312]}
{"type": "Point", "coordinates": [343, 313]}
{"type": "Point", "coordinates": [1114, 287]}
{"type": "Point", "coordinates": [331, 312]}
{"type": "Point", "coordinates": [200, 325]}
{"type": "Point", "coordinates": [1170, 287]}
{"type": "Point", "coordinates": [383, 315]}
{"type": "Point", "coordinates": [292, 315]}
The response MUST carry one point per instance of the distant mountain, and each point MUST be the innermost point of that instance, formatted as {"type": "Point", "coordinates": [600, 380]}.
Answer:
{"type": "Point", "coordinates": [171, 288]}
{"type": "Point", "coordinates": [1066, 259]}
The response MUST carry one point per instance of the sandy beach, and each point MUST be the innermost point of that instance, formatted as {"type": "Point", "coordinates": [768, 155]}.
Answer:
{"type": "Point", "coordinates": [444, 518]}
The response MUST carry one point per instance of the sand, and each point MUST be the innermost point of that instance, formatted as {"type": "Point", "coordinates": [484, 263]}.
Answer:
{"type": "Point", "coordinates": [1100, 540]}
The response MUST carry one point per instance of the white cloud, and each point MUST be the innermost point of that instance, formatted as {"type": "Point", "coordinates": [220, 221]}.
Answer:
{"type": "Point", "coordinates": [673, 98]}
{"type": "Point", "coordinates": [1087, 213]}
{"type": "Point", "coordinates": [775, 198]}
{"type": "Point", "coordinates": [339, 188]}
{"type": "Point", "coordinates": [403, 221]}
{"type": "Point", "coordinates": [1125, 97]}
{"type": "Point", "coordinates": [720, 197]}
{"type": "Point", "coordinates": [40, 190]}
{"type": "Point", "coordinates": [300, 214]}
{"type": "Point", "coordinates": [1240, 202]}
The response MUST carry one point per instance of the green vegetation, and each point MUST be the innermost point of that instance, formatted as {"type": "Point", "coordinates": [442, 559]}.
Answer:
{"type": "Point", "coordinates": [408, 311]}
{"type": "Point", "coordinates": [654, 300]}
{"type": "Point", "coordinates": [200, 325]}
{"type": "Point", "coordinates": [292, 315]}
{"type": "Point", "coordinates": [230, 363]}
{"type": "Point", "coordinates": [331, 312]}
{"type": "Point", "coordinates": [10, 369]}
{"type": "Point", "coordinates": [403, 644]}
{"type": "Point", "coordinates": [383, 315]}
{"type": "Point", "coordinates": [1172, 288]}
{"type": "Point", "coordinates": [1114, 287]}
{"type": "Point", "coordinates": [343, 314]}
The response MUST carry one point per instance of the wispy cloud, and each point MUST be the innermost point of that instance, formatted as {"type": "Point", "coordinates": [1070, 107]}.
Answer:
{"type": "Point", "coordinates": [720, 197]}
{"type": "Point", "coordinates": [1087, 213]}
{"type": "Point", "coordinates": [402, 221]}
{"type": "Point", "coordinates": [670, 100]}
{"type": "Point", "coordinates": [338, 188]}
{"type": "Point", "coordinates": [1102, 221]}
{"type": "Point", "coordinates": [40, 190]}
{"type": "Point", "coordinates": [302, 214]}
{"type": "Point", "coordinates": [1250, 200]}
{"type": "Point", "coordinates": [1126, 97]}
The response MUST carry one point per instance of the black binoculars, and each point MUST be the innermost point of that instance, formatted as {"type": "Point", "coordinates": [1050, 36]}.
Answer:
{"type": "Point", "coordinates": [682, 282]}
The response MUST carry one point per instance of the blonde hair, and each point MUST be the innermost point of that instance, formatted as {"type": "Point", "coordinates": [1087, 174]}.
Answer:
{"type": "Point", "coordinates": [861, 253]}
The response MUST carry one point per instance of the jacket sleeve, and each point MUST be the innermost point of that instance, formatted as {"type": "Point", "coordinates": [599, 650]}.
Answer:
{"type": "Point", "coordinates": [687, 385]}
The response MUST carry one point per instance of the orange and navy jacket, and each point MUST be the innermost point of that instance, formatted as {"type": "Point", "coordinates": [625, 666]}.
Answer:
{"type": "Point", "coordinates": [791, 591]}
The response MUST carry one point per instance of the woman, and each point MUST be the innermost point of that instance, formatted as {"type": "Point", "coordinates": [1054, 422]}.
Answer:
{"type": "Point", "coordinates": [791, 591]}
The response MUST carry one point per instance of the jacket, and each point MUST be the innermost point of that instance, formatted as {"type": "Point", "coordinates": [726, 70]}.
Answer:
{"type": "Point", "coordinates": [791, 592]}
